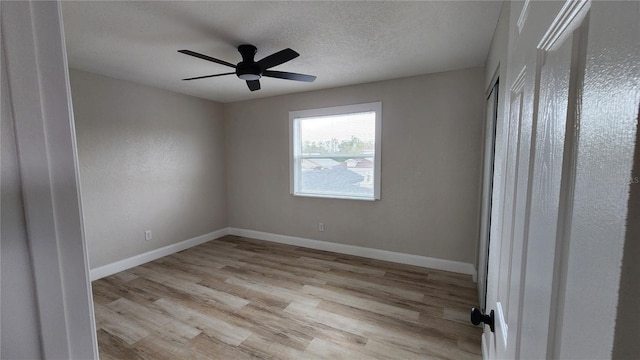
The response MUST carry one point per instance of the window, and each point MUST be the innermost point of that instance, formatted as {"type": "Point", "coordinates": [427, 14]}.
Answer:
{"type": "Point", "coordinates": [335, 152]}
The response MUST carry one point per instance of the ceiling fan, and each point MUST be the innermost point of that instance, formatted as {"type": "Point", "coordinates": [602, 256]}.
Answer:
{"type": "Point", "coordinates": [250, 70]}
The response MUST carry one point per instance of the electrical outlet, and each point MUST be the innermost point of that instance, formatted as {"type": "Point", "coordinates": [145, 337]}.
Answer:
{"type": "Point", "coordinates": [321, 226]}
{"type": "Point", "coordinates": [147, 235]}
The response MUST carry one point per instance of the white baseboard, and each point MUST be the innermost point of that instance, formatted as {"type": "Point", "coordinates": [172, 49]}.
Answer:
{"type": "Point", "coordinates": [409, 259]}
{"type": "Point", "coordinates": [401, 258]}
{"type": "Point", "coordinates": [116, 267]}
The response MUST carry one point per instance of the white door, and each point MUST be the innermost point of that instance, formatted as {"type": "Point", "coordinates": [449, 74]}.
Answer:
{"type": "Point", "coordinates": [558, 231]}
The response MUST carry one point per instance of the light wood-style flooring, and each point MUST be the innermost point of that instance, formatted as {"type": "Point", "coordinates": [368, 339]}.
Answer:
{"type": "Point", "coordinates": [239, 298]}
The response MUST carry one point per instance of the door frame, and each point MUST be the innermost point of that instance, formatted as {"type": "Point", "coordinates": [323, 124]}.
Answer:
{"type": "Point", "coordinates": [40, 99]}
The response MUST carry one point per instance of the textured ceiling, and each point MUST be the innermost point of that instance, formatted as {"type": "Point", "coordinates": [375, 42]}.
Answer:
{"type": "Point", "coordinates": [342, 43]}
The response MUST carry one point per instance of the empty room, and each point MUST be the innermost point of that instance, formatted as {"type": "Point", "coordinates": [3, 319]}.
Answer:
{"type": "Point", "coordinates": [320, 180]}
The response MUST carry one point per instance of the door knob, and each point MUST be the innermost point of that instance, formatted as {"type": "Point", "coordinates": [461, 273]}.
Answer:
{"type": "Point", "coordinates": [478, 317]}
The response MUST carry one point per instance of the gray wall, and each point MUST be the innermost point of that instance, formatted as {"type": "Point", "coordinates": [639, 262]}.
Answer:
{"type": "Point", "coordinates": [431, 155]}
{"type": "Point", "coordinates": [149, 159]}
{"type": "Point", "coordinates": [19, 312]}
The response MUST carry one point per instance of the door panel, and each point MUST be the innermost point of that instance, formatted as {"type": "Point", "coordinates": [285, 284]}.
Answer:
{"type": "Point", "coordinates": [517, 145]}
{"type": "Point", "coordinates": [554, 68]}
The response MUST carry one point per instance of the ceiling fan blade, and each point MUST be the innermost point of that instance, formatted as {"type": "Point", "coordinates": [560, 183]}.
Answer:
{"type": "Point", "coordinates": [208, 76]}
{"type": "Point", "coordinates": [253, 85]}
{"type": "Point", "coordinates": [205, 57]}
{"type": "Point", "coordinates": [278, 58]}
{"type": "Point", "coordinates": [289, 76]}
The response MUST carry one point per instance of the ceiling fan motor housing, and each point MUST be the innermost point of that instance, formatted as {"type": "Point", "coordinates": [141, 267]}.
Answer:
{"type": "Point", "coordinates": [248, 69]}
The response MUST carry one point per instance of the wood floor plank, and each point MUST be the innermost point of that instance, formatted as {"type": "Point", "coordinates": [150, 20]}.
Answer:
{"type": "Point", "coordinates": [353, 283]}
{"type": "Point", "coordinates": [407, 340]}
{"type": "Point", "coordinates": [292, 261]}
{"type": "Point", "coordinates": [241, 298]}
{"type": "Point", "coordinates": [157, 348]}
{"type": "Point", "coordinates": [213, 327]}
{"type": "Point", "coordinates": [154, 321]}
{"type": "Point", "coordinates": [285, 250]}
{"type": "Point", "coordinates": [260, 276]}
{"type": "Point", "coordinates": [122, 289]}
{"type": "Point", "coordinates": [470, 344]}
{"type": "Point", "coordinates": [373, 321]}
{"type": "Point", "coordinates": [102, 293]}
{"type": "Point", "coordinates": [208, 294]}
{"type": "Point", "coordinates": [338, 265]}
{"type": "Point", "coordinates": [314, 315]}
{"type": "Point", "coordinates": [269, 324]}
{"type": "Point", "coordinates": [280, 322]}
{"type": "Point", "coordinates": [450, 327]}
{"type": "Point", "coordinates": [125, 276]}
{"type": "Point", "coordinates": [119, 326]}
{"type": "Point", "coordinates": [203, 344]}
{"type": "Point", "coordinates": [366, 295]}
{"type": "Point", "coordinates": [361, 303]}
{"type": "Point", "coordinates": [113, 347]}
{"type": "Point", "coordinates": [255, 296]}
{"type": "Point", "coordinates": [268, 348]}
{"type": "Point", "coordinates": [382, 350]}
{"type": "Point", "coordinates": [456, 314]}
{"type": "Point", "coordinates": [273, 290]}
{"type": "Point", "coordinates": [323, 349]}
{"type": "Point", "coordinates": [295, 278]}
{"type": "Point", "coordinates": [197, 259]}
{"type": "Point", "coordinates": [441, 351]}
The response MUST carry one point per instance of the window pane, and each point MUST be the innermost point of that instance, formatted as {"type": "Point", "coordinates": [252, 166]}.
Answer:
{"type": "Point", "coordinates": [337, 155]}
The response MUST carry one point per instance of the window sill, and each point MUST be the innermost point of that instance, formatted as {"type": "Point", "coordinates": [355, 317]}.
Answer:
{"type": "Point", "coordinates": [330, 196]}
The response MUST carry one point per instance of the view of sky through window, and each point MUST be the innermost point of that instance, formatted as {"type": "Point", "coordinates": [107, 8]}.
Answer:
{"type": "Point", "coordinates": [338, 134]}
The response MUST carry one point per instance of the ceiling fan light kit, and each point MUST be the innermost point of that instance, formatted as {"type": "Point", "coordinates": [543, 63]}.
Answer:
{"type": "Point", "coordinates": [250, 70]}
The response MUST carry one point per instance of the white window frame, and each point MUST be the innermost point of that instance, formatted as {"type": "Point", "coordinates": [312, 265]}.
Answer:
{"type": "Point", "coordinates": [294, 146]}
